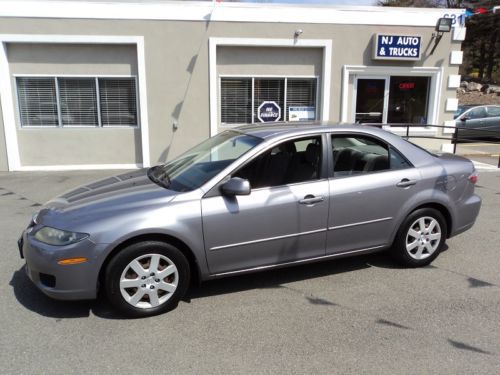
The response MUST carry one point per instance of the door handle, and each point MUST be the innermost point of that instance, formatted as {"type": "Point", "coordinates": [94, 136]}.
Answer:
{"type": "Point", "coordinates": [311, 199]}
{"type": "Point", "coordinates": [406, 183]}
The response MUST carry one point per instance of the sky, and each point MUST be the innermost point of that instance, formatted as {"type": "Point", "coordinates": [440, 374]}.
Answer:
{"type": "Point", "coordinates": [331, 2]}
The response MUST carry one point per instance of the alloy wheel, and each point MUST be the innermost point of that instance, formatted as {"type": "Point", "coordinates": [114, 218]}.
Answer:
{"type": "Point", "coordinates": [149, 281]}
{"type": "Point", "coordinates": [423, 237]}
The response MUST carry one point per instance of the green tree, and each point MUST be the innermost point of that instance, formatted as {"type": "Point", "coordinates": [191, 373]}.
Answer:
{"type": "Point", "coordinates": [482, 46]}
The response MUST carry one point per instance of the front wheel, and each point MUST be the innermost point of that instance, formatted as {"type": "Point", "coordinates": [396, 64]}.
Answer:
{"type": "Point", "coordinates": [420, 238]}
{"type": "Point", "coordinates": [147, 278]}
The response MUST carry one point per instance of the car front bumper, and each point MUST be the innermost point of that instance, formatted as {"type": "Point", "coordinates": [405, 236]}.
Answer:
{"type": "Point", "coordinates": [65, 282]}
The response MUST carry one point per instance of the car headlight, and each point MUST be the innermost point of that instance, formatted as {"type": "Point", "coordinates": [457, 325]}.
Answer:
{"type": "Point", "coordinates": [58, 237]}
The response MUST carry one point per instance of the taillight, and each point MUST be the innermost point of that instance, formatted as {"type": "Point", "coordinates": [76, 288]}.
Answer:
{"type": "Point", "coordinates": [473, 177]}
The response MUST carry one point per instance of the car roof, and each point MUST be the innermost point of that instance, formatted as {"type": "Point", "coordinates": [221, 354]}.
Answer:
{"type": "Point", "coordinates": [471, 106]}
{"type": "Point", "coordinates": [279, 129]}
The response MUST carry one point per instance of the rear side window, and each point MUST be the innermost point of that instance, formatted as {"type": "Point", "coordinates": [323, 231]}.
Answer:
{"type": "Point", "coordinates": [356, 155]}
{"type": "Point", "coordinates": [493, 111]}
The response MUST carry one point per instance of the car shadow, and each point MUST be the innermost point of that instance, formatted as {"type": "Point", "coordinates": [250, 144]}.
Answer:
{"type": "Point", "coordinates": [34, 300]}
{"type": "Point", "coordinates": [28, 295]}
{"type": "Point", "coordinates": [383, 260]}
{"type": "Point", "coordinates": [277, 278]}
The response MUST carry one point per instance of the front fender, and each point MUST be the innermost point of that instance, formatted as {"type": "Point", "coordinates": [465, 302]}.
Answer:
{"type": "Point", "coordinates": [181, 221]}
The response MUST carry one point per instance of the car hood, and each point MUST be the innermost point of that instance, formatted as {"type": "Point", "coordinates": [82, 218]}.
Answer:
{"type": "Point", "coordinates": [104, 198]}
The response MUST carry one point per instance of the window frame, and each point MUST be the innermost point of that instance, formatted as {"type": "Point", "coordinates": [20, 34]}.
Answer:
{"type": "Point", "coordinates": [323, 169]}
{"type": "Point", "coordinates": [387, 96]}
{"type": "Point", "coordinates": [476, 108]}
{"type": "Point", "coordinates": [349, 72]}
{"type": "Point", "coordinates": [388, 146]}
{"type": "Point", "coordinates": [60, 125]}
{"type": "Point", "coordinates": [264, 76]}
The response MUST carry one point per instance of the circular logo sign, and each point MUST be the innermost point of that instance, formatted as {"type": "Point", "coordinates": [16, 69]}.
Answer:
{"type": "Point", "coordinates": [269, 112]}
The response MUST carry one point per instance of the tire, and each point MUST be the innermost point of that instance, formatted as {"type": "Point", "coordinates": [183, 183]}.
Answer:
{"type": "Point", "coordinates": [420, 238]}
{"type": "Point", "coordinates": [147, 278]}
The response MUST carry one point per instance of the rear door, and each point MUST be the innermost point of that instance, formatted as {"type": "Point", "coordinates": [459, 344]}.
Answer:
{"type": "Point", "coordinates": [492, 122]}
{"type": "Point", "coordinates": [371, 182]}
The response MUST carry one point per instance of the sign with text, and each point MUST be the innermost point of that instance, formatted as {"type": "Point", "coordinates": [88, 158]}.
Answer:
{"type": "Point", "coordinates": [301, 113]}
{"type": "Point", "coordinates": [269, 112]}
{"type": "Point", "coordinates": [396, 47]}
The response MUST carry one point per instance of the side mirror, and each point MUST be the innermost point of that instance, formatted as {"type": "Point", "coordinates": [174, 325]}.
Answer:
{"type": "Point", "coordinates": [236, 186]}
{"type": "Point", "coordinates": [465, 118]}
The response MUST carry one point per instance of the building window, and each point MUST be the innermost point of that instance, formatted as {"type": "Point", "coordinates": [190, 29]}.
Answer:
{"type": "Point", "coordinates": [77, 101]}
{"type": "Point", "coordinates": [37, 101]}
{"type": "Point", "coordinates": [408, 100]}
{"type": "Point", "coordinates": [118, 102]}
{"type": "Point", "coordinates": [240, 98]}
{"type": "Point", "coordinates": [236, 101]}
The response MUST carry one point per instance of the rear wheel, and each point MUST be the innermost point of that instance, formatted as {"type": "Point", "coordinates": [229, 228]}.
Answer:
{"type": "Point", "coordinates": [147, 278]}
{"type": "Point", "coordinates": [420, 238]}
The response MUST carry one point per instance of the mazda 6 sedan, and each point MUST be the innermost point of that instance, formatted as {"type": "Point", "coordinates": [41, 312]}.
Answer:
{"type": "Point", "coordinates": [248, 199]}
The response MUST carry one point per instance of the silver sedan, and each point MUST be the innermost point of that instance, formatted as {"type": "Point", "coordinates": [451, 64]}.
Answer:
{"type": "Point", "coordinates": [249, 199]}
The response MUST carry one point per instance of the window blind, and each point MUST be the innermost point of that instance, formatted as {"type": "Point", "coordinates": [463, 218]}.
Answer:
{"type": "Point", "coordinates": [300, 93]}
{"type": "Point", "coordinates": [236, 101]}
{"type": "Point", "coordinates": [118, 101]}
{"type": "Point", "coordinates": [78, 101]}
{"type": "Point", "coordinates": [269, 90]}
{"type": "Point", "coordinates": [236, 98]}
{"type": "Point", "coordinates": [37, 101]}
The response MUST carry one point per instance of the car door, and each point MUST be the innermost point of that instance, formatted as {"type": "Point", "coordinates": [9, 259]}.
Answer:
{"type": "Point", "coordinates": [284, 217]}
{"type": "Point", "coordinates": [492, 122]}
{"type": "Point", "coordinates": [371, 182]}
{"type": "Point", "coordinates": [471, 120]}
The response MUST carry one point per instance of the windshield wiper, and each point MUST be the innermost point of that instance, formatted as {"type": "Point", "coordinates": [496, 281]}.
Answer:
{"type": "Point", "coordinates": [161, 178]}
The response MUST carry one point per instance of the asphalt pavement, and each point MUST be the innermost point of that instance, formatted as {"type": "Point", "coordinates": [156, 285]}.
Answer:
{"type": "Point", "coordinates": [357, 315]}
{"type": "Point", "coordinates": [481, 152]}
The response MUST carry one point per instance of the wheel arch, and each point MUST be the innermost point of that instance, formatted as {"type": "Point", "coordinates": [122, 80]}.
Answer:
{"type": "Point", "coordinates": [440, 207]}
{"type": "Point", "coordinates": [161, 237]}
{"type": "Point", "coordinates": [443, 210]}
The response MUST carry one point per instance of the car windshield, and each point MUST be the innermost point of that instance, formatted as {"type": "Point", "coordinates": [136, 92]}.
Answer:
{"type": "Point", "coordinates": [198, 165]}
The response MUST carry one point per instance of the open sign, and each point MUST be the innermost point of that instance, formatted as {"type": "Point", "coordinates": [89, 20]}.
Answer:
{"type": "Point", "coordinates": [407, 85]}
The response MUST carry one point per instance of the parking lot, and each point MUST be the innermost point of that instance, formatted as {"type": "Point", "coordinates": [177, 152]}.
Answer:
{"type": "Point", "coordinates": [487, 153]}
{"type": "Point", "coordinates": [356, 315]}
